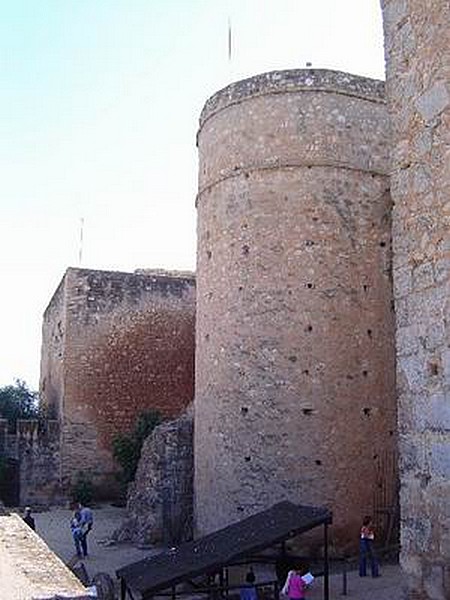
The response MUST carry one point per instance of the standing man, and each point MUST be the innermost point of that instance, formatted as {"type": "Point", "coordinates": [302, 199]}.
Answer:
{"type": "Point", "coordinates": [28, 518]}
{"type": "Point", "coordinates": [86, 522]}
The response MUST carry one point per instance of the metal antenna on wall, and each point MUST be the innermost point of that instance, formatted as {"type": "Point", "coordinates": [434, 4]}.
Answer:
{"type": "Point", "coordinates": [230, 50]}
{"type": "Point", "coordinates": [80, 251]}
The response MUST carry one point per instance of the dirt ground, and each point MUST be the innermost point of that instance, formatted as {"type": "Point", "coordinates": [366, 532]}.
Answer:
{"type": "Point", "coordinates": [53, 526]}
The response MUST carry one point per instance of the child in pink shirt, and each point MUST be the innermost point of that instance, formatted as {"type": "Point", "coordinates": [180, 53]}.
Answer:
{"type": "Point", "coordinates": [296, 586]}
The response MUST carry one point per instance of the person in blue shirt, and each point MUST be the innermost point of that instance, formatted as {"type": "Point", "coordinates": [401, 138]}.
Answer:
{"type": "Point", "coordinates": [86, 522]}
{"type": "Point", "coordinates": [248, 591]}
{"type": "Point", "coordinates": [75, 527]}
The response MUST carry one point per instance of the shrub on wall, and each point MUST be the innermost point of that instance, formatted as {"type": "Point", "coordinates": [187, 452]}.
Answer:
{"type": "Point", "coordinates": [83, 489]}
{"type": "Point", "coordinates": [127, 447]}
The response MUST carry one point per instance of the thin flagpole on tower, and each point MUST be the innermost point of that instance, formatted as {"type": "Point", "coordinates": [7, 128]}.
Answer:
{"type": "Point", "coordinates": [230, 50]}
{"type": "Point", "coordinates": [80, 250]}
{"type": "Point", "coordinates": [229, 39]}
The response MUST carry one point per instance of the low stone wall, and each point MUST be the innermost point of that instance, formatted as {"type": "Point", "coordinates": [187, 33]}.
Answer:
{"type": "Point", "coordinates": [36, 447]}
{"type": "Point", "coordinates": [28, 568]}
{"type": "Point", "coordinates": [160, 500]}
{"type": "Point", "coordinates": [39, 456]}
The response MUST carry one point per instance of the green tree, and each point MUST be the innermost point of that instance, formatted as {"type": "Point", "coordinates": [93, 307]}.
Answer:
{"type": "Point", "coordinates": [82, 489]}
{"type": "Point", "coordinates": [17, 401]}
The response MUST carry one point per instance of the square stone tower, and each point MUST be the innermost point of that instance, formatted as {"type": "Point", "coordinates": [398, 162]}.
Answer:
{"type": "Point", "coordinates": [114, 345]}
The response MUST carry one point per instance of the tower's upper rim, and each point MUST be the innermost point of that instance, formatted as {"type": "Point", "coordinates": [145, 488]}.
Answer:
{"type": "Point", "coordinates": [293, 80]}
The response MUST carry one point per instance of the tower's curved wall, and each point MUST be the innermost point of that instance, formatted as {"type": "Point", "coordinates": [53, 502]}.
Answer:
{"type": "Point", "coordinates": [294, 358]}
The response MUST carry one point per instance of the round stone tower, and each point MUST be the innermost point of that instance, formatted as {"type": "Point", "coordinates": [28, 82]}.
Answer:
{"type": "Point", "coordinates": [295, 353]}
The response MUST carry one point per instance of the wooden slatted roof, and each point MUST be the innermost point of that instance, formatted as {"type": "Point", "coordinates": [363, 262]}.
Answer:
{"type": "Point", "coordinates": [221, 548]}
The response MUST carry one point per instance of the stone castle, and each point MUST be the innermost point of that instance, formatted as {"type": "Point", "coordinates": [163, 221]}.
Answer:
{"type": "Point", "coordinates": [322, 328]}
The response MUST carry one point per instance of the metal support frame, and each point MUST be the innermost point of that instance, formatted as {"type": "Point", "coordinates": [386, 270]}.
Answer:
{"type": "Point", "coordinates": [220, 589]}
{"type": "Point", "coordinates": [326, 569]}
{"type": "Point", "coordinates": [124, 590]}
{"type": "Point", "coordinates": [344, 579]}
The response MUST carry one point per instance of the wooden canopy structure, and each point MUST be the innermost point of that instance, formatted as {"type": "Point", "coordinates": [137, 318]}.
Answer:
{"type": "Point", "coordinates": [236, 544]}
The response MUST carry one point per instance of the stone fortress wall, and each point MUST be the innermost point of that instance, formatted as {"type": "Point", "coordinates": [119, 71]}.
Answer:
{"type": "Point", "coordinates": [295, 376]}
{"type": "Point", "coordinates": [417, 45]}
{"type": "Point", "coordinates": [114, 345]}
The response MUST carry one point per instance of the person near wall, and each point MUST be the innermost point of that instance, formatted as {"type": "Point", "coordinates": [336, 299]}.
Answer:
{"type": "Point", "coordinates": [87, 522]}
{"type": "Point", "coordinates": [29, 520]}
{"type": "Point", "coordinates": [76, 529]}
{"type": "Point", "coordinates": [248, 591]}
{"type": "Point", "coordinates": [366, 549]}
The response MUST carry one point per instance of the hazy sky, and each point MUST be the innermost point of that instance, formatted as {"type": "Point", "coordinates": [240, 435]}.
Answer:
{"type": "Point", "coordinates": [99, 107]}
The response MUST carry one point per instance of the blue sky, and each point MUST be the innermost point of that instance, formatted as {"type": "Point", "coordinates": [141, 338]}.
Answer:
{"type": "Point", "coordinates": [99, 108]}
